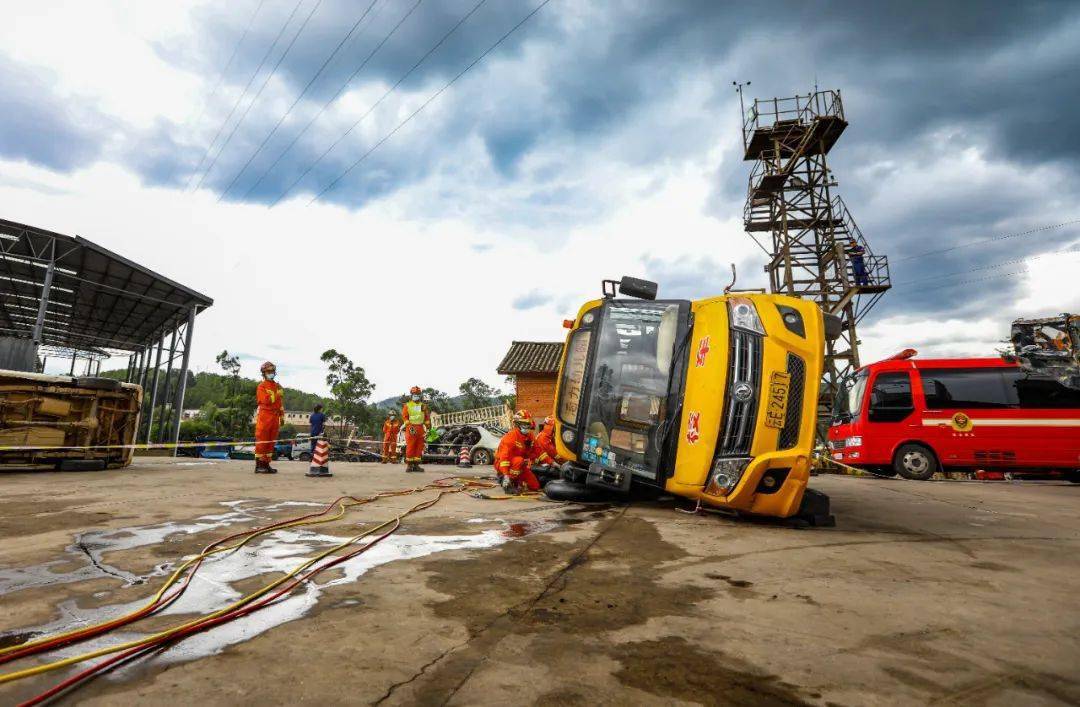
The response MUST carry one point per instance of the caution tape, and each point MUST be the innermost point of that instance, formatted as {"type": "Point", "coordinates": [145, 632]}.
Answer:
{"type": "Point", "coordinates": [153, 445]}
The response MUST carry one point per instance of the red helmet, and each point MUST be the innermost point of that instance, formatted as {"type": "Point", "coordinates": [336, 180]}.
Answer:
{"type": "Point", "coordinates": [415, 390]}
{"type": "Point", "coordinates": [523, 417]}
{"type": "Point", "coordinates": [267, 366]}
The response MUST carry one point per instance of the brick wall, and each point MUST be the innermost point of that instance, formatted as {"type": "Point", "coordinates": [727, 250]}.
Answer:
{"type": "Point", "coordinates": [536, 393]}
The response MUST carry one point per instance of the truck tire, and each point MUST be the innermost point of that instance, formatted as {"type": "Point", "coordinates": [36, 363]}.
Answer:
{"type": "Point", "coordinates": [560, 490]}
{"type": "Point", "coordinates": [915, 462]}
{"type": "Point", "coordinates": [96, 383]}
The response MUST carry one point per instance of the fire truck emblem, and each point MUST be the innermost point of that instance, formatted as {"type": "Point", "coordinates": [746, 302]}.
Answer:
{"type": "Point", "coordinates": [693, 428]}
{"type": "Point", "coordinates": [961, 422]}
{"type": "Point", "coordinates": [702, 352]}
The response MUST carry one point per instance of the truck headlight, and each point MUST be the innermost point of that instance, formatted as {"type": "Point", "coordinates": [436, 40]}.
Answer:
{"type": "Point", "coordinates": [743, 314]}
{"type": "Point", "coordinates": [853, 442]}
{"type": "Point", "coordinates": [568, 435]}
{"type": "Point", "coordinates": [726, 474]}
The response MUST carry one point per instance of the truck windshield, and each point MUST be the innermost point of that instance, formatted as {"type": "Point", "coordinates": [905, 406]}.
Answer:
{"type": "Point", "coordinates": [850, 399]}
{"type": "Point", "coordinates": [631, 373]}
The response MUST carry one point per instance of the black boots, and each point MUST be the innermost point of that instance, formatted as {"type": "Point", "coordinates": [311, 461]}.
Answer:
{"type": "Point", "coordinates": [263, 467]}
{"type": "Point", "coordinates": [413, 466]}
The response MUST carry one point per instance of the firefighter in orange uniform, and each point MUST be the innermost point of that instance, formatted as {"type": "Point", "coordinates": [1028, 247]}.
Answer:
{"type": "Point", "coordinates": [417, 420]}
{"type": "Point", "coordinates": [545, 444]}
{"type": "Point", "coordinates": [390, 433]}
{"type": "Point", "coordinates": [515, 455]}
{"type": "Point", "coordinates": [271, 400]}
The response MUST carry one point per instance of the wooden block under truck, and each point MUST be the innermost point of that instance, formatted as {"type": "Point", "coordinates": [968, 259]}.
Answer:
{"type": "Point", "coordinates": [714, 400]}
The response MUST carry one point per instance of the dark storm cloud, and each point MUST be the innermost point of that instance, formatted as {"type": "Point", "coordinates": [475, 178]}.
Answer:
{"type": "Point", "coordinates": [44, 128]}
{"type": "Point", "coordinates": [963, 115]}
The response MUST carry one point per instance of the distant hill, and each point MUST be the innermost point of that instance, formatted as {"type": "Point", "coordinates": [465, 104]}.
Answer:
{"type": "Point", "coordinates": [206, 388]}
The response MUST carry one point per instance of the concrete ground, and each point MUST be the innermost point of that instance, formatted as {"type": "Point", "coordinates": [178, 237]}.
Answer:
{"type": "Point", "coordinates": [923, 593]}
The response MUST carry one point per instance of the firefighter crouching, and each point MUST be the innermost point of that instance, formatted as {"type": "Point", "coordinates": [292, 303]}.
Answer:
{"type": "Point", "coordinates": [515, 455]}
{"type": "Point", "coordinates": [271, 401]}
{"type": "Point", "coordinates": [417, 420]}
{"type": "Point", "coordinates": [390, 430]}
{"type": "Point", "coordinates": [548, 461]}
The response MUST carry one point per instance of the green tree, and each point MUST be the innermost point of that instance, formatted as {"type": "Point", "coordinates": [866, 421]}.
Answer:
{"type": "Point", "coordinates": [475, 393]}
{"type": "Point", "coordinates": [350, 387]}
{"type": "Point", "coordinates": [231, 366]}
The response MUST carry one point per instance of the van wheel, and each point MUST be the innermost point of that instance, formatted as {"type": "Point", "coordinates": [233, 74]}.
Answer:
{"type": "Point", "coordinates": [914, 461]}
{"type": "Point", "coordinates": [305, 457]}
{"type": "Point", "coordinates": [481, 457]}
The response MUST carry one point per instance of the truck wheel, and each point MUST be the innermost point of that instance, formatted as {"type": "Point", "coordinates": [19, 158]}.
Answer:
{"type": "Point", "coordinates": [481, 457]}
{"type": "Point", "coordinates": [914, 461]}
{"type": "Point", "coordinates": [97, 383]}
{"type": "Point", "coordinates": [1073, 476]}
{"type": "Point", "coordinates": [560, 490]}
{"type": "Point", "coordinates": [305, 457]}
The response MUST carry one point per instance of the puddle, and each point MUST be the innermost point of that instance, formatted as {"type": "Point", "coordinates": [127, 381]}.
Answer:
{"type": "Point", "coordinates": [213, 586]}
{"type": "Point", "coordinates": [93, 545]}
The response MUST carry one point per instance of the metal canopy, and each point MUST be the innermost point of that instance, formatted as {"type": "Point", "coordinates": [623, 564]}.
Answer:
{"type": "Point", "coordinates": [95, 298]}
{"type": "Point", "coordinates": [68, 296]}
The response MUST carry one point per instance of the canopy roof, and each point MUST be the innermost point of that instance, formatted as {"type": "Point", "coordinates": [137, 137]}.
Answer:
{"type": "Point", "coordinates": [98, 299]}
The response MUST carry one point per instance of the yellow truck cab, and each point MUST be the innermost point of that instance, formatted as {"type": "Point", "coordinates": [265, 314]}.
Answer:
{"type": "Point", "coordinates": [714, 400]}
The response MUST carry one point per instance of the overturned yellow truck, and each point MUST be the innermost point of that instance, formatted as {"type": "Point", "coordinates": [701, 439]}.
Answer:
{"type": "Point", "coordinates": [714, 400]}
{"type": "Point", "coordinates": [67, 423]}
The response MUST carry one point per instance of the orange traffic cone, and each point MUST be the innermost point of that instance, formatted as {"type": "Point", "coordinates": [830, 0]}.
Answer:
{"type": "Point", "coordinates": [319, 460]}
{"type": "Point", "coordinates": [463, 460]}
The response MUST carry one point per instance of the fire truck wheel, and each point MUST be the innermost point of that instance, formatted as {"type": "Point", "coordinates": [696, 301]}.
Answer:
{"type": "Point", "coordinates": [1073, 476]}
{"type": "Point", "coordinates": [914, 461]}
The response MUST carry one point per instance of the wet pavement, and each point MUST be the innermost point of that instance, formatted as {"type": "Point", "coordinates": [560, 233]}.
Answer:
{"type": "Point", "coordinates": [951, 592]}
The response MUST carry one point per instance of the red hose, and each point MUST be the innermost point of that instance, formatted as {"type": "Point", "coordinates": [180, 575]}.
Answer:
{"type": "Point", "coordinates": [133, 653]}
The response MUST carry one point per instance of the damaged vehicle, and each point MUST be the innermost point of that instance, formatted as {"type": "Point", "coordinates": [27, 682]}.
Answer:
{"type": "Point", "coordinates": [1048, 347]}
{"type": "Point", "coordinates": [444, 443]}
{"type": "Point", "coordinates": [714, 400]}
{"type": "Point", "coordinates": [67, 423]}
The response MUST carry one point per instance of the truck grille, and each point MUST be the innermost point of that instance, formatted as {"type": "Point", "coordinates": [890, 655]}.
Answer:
{"type": "Point", "coordinates": [789, 434]}
{"type": "Point", "coordinates": [745, 367]}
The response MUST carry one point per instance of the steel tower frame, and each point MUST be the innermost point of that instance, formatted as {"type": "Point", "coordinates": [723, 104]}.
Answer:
{"type": "Point", "coordinates": [816, 244]}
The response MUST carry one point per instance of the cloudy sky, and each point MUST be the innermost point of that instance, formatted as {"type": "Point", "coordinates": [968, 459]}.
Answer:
{"type": "Point", "coordinates": [325, 171]}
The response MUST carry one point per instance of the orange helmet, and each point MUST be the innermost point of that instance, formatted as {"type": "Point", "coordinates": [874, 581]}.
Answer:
{"type": "Point", "coordinates": [549, 420]}
{"type": "Point", "coordinates": [415, 390]}
{"type": "Point", "coordinates": [267, 366]}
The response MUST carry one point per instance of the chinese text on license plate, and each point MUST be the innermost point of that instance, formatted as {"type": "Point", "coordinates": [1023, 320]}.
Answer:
{"type": "Point", "coordinates": [776, 410]}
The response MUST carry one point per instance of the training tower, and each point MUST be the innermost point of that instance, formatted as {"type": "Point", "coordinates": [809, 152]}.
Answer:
{"type": "Point", "coordinates": [791, 196]}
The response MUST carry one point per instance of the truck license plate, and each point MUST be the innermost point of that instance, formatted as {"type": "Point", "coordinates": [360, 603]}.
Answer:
{"type": "Point", "coordinates": [776, 410]}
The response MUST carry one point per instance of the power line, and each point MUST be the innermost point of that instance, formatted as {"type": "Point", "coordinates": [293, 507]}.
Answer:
{"type": "Point", "coordinates": [244, 93]}
{"type": "Point", "coordinates": [228, 64]}
{"type": "Point", "coordinates": [285, 115]}
{"type": "Point", "coordinates": [266, 81]}
{"type": "Point", "coordinates": [425, 104]}
{"type": "Point", "coordinates": [333, 98]}
{"type": "Point", "coordinates": [1001, 264]}
{"type": "Point", "coordinates": [376, 104]}
{"type": "Point", "coordinates": [987, 240]}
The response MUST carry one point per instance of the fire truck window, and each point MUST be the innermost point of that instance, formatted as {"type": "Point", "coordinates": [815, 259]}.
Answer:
{"type": "Point", "coordinates": [890, 398]}
{"type": "Point", "coordinates": [967, 388]}
{"type": "Point", "coordinates": [1045, 393]}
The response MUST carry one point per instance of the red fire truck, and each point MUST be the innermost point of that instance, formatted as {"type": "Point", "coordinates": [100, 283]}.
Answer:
{"type": "Point", "coordinates": [914, 417]}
